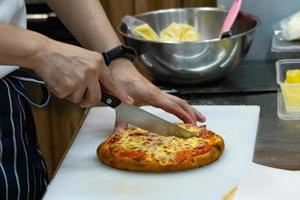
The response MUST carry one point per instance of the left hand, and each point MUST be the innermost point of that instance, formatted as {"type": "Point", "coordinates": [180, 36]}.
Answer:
{"type": "Point", "coordinates": [145, 93]}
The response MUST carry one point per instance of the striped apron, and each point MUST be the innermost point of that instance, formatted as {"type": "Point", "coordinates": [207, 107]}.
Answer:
{"type": "Point", "coordinates": [23, 174]}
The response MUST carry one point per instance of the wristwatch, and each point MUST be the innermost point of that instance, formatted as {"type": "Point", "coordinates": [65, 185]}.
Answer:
{"type": "Point", "coordinates": [119, 52]}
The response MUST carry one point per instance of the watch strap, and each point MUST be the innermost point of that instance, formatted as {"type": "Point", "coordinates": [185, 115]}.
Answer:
{"type": "Point", "coordinates": [119, 52]}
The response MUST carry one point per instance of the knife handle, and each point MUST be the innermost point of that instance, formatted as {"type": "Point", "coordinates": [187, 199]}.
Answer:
{"type": "Point", "coordinates": [110, 100]}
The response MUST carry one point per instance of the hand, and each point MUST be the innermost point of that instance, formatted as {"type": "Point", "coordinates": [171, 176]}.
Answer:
{"type": "Point", "coordinates": [145, 93]}
{"type": "Point", "coordinates": [74, 73]}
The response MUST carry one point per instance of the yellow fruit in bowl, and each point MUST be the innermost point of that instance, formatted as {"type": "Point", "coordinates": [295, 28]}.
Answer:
{"type": "Point", "coordinates": [179, 33]}
{"type": "Point", "coordinates": [171, 33]}
{"type": "Point", "coordinates": [146, 32]}
{"type": "Point", "coordinates": [174, 32]}
{"type": "Point", "coordinates": [190, 35]}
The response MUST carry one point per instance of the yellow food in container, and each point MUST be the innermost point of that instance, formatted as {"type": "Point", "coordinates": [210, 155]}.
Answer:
{"type": "Point", "coordinates": [291, 90]}
{"type": "Point", "coordinates": [179, 33]}
{"type": "Point", "coordinates": [175, 32]}
{"type": "Point", "coordinates": [146, 32]}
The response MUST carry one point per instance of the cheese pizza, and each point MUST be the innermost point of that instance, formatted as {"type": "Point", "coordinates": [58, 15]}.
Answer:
{"type": "Point", "coordinates": [136, 149]}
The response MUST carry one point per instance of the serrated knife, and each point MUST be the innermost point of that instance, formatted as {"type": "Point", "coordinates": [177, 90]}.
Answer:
{"type": "Point", "coordinates": [138, 117]}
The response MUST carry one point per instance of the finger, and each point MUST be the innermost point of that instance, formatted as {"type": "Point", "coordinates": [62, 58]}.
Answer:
{"type": "Point", "coordinates": [77, 95]}
{"type": "Point", "coordinates": [189, 109]}
{"type": "Point", "coordinates": [172, 107]}
{"type": "Point", "coordinates": [107, 80]}
{"type": "Point", "coordinates": [120, 126]}
{"type": "Point", "coordinates": [200, 116]}
{"type": "Point", "coordinates": [63, 88]}
{"type": "Point", "coordinates": [92, 95]}
{"type": "Point", "coordinates": [59, 94]}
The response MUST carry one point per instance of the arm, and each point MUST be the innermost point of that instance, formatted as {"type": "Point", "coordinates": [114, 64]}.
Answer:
{"type": "Point", "coordinates": [70, 72]}
{"type": "Point", "coordinates": [89, 24]}
{"type": "Point", "coordinates": [19, 46]}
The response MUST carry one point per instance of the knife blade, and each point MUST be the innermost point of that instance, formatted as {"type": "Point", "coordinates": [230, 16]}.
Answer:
{"type": "Point", "coordinates": [138, 117]}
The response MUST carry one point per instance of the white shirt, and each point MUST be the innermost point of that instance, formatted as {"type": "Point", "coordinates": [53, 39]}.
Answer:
{"type": "Point", "coordinates": [12, 12]}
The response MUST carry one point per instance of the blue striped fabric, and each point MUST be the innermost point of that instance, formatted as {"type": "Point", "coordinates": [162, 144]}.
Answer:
{"type": "Point", "coordinates": [23, 174]}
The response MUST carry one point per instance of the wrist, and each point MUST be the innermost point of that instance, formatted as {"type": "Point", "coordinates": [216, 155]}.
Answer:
{"type": "Point", "coordinates": [121, 63]}
{"type": "Point", "coordinates": [37, 51]}
{"type": "Point", "coordinates": [124, 69]}
{"type": "Point", "coordinates": [111, 45]}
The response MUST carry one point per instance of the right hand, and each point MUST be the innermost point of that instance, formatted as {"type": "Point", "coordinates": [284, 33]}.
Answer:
{"type": "Point", "coordinates": [75, 73]}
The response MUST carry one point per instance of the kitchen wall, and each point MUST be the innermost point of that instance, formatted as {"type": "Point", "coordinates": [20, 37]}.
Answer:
{"type": "Point", "coordinates": [270, 12]}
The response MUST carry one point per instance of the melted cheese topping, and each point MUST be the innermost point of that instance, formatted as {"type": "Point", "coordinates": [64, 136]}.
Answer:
{"type": "Point", "coordinates": [140, 144]}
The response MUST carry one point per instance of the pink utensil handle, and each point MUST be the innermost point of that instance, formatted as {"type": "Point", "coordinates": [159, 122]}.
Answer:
{"type": "Point", "coordinates": [231, 16]}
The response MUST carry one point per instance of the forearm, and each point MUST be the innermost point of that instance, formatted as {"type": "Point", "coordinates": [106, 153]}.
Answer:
{"type": "Point", "coordinates": [88, 23]}
{"type": "Point", "coordinates": [19, 46]}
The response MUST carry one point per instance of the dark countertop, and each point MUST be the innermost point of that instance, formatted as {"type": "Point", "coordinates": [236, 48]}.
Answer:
{"type": "Point", "coordinates": [248, 77]}
{"type": "Point", "coordinates": [278, 141]}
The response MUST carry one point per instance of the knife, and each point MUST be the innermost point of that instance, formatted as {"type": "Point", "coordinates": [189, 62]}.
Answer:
{"type": "Point", "coordinates": [138, 117]}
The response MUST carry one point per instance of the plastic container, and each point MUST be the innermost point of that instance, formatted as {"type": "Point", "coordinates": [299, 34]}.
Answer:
{"type": "Point", "coordinates": [285, 49]}
{"type": "Point", "coordinates": [288, 101]}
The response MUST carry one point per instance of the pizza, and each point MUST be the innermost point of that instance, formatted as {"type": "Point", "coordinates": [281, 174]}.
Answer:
{"type": "Point", "coordinates": [136, 149]}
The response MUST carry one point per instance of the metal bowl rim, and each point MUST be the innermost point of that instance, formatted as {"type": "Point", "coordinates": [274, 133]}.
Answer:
{"type": "Point", "coordinates": [258, 23]}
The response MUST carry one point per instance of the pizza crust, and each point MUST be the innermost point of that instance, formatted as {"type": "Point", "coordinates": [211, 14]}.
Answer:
{"type": "Point", "coordinates": [106, 155]}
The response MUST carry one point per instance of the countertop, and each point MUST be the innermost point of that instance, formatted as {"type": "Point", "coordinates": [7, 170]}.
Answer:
{"type": "Point", "coordinates": [247, 77]}
{"type": "Point", "coordinates": [277, 141]}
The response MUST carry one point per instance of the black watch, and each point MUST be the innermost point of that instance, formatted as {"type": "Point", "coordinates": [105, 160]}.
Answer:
{"type": "Point", "coordinates": [119, 52]}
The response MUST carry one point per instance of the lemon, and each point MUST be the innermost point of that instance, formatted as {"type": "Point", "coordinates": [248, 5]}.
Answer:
{"type": "Point", "coordinates": [146, 32]}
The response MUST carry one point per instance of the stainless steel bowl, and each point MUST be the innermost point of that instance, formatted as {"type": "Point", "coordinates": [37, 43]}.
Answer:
{"type": "Point", "coordinates": [192, 62]}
